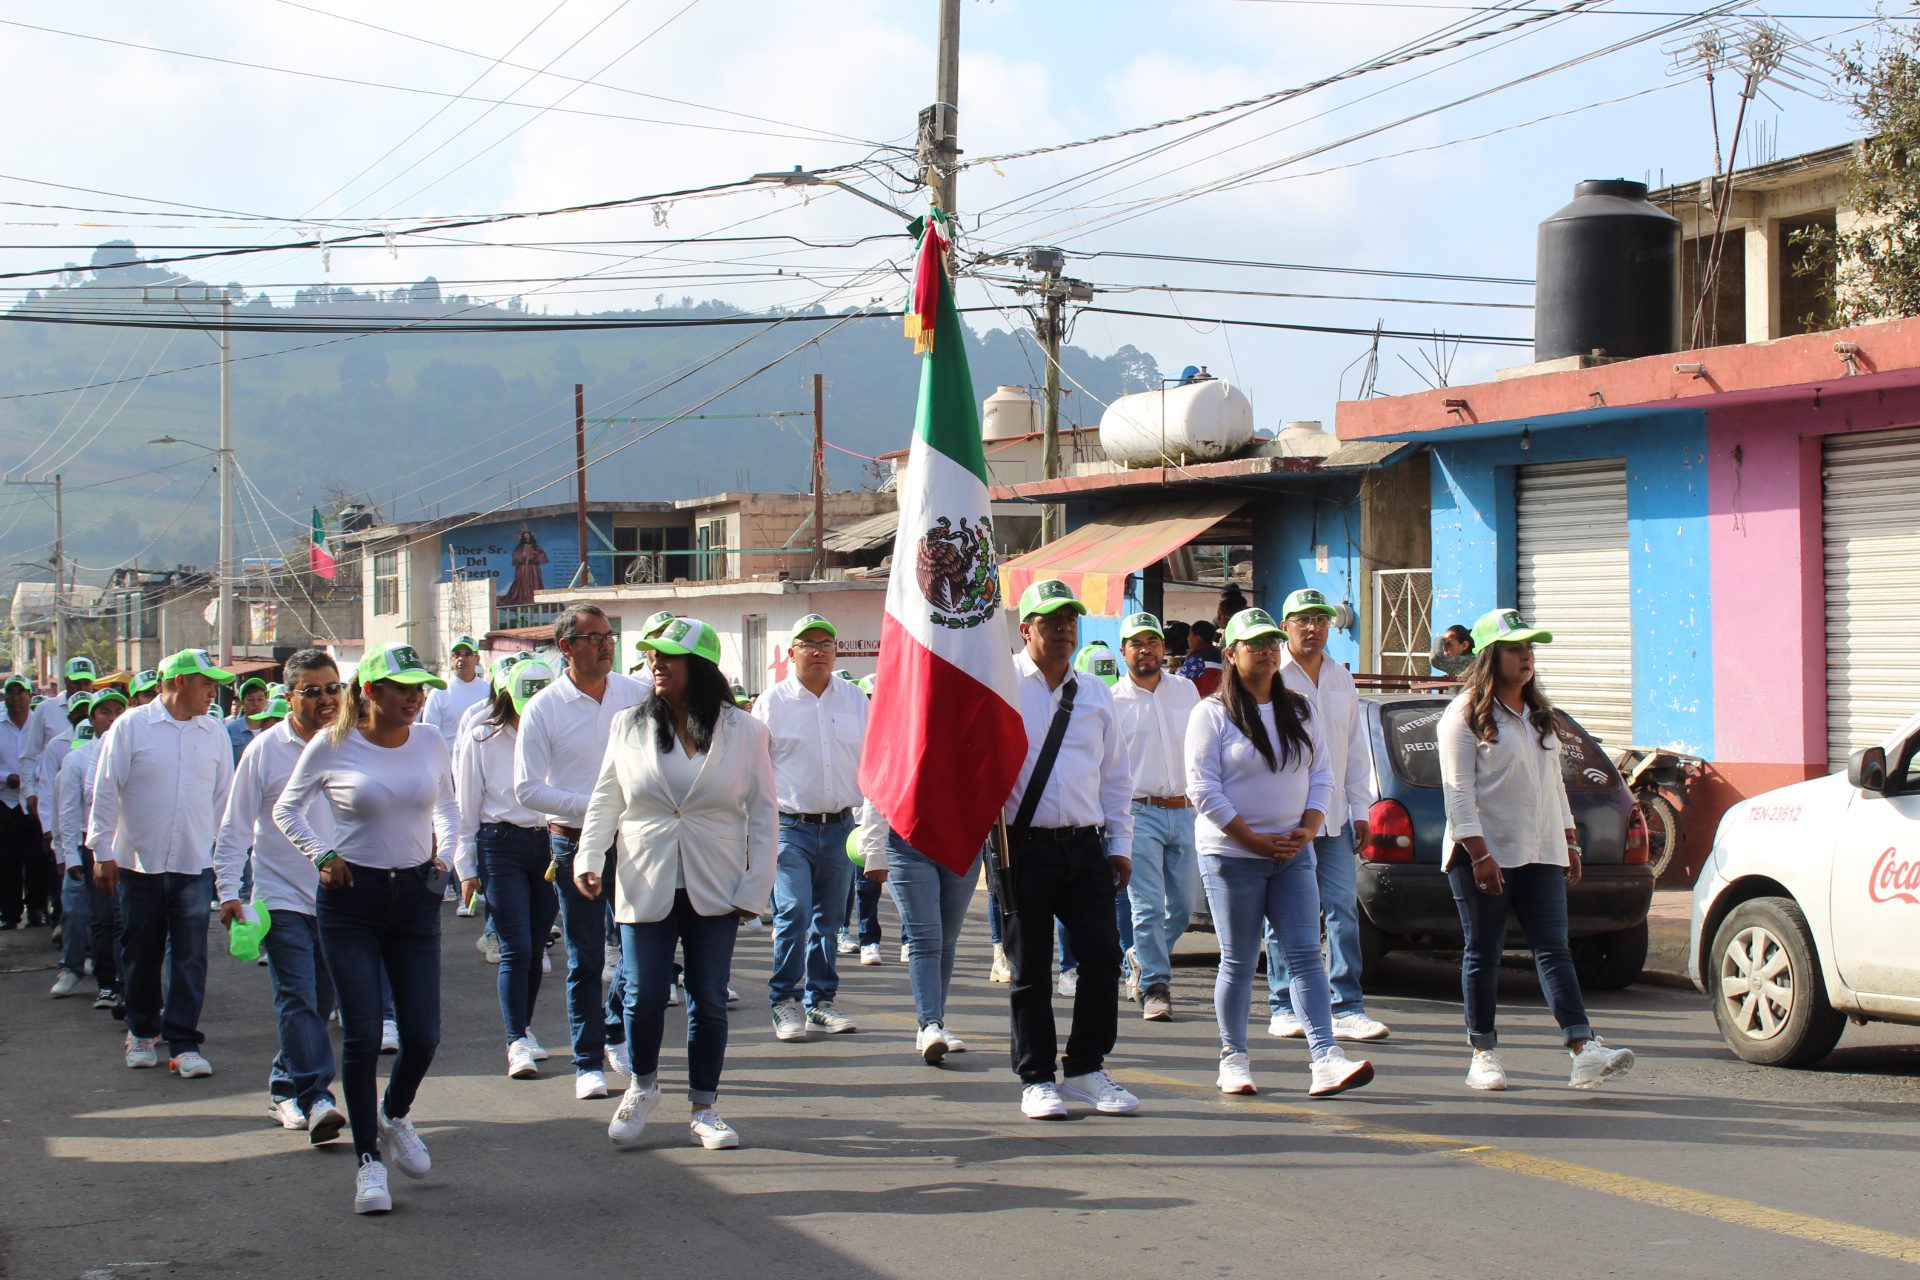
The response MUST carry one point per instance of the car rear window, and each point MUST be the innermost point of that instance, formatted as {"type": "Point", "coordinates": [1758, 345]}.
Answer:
{"type": "Point", "coordinates": [1410, 730]}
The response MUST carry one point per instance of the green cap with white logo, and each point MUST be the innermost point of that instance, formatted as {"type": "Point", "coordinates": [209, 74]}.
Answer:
{"type": "Point", "coordinates": [276, 709]}
{"type": "Point", "coordinates": [1249, 624]}
{"type": "Point", "coordinates": [656, 623]}
{"type": "Point", "coordinates": [81, 669]}
{"type": "Point", "coordinates": [193, 662]}
{"type": "Point", "coordinates": [145, 680]}
{"type": "Point", "coordinates": [813, 622]}
{"type": "Point", "coordinates": [1049, 595]}
{"type": "Point", "coordinates": [1506, 626]}
{"type": "Point", "coordinates": [740, 695]}
{"type": "Point", "coordinates": [463, 642]}
{"type": "Point", "coordinates": [18, 681]}
{"type": "Point", "coordinates": [1140, 624]}
{"type": "Point", "coordinates": [843, 674]}
{"type": "Point", "coordinates": [106, 695]}
{"type": "Point", "coordinates": [686, 637]}
{"type": "Point", "coordinates": [1307, 600]}
{"type": "Point", "coordinates": [502, 676]}
{"type": "Point", "coordinates": [399, 663]}
{"type": "Point", "coordinates": [251, 683]}
{"type": "Point", "coordinates": [526, 679]}
{"type": "Point", "coordinates": [82, 732]}
{"type": "Point", "coordinates": [1096, 660]}
{"type": "Point", "coordinates": [867, 683]}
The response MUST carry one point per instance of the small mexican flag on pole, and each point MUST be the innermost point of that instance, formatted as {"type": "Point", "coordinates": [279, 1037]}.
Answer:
{"type": "Point", "coordinates": [319, 557]}
{"type": "Point", "coordinates": [945, 741]}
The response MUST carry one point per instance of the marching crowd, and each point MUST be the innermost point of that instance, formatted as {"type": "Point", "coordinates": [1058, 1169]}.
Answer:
{"type": "Point", "coordinates": [650, 816]}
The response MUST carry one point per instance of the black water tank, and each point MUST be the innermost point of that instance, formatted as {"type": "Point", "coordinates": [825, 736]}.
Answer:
{"type": "Point", "coordinates": [1608, 276]}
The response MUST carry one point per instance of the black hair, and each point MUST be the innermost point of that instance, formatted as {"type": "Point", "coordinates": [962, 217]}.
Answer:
{"type": "Point", "coordinates": [1177, 637]}
{"type": "Point", "coordinates": [1289, 717]}
{"type": "Point", "coordinates": [1461, 634]}
{"type": "Point", "coordinates": [1233, 600]}
{"type": "Point", "coordinates": [500, 712]}
{"type": "Point", "coordinates": [304, 661]}
{"type": "Point", "coordinates": [1206, 631]}
{"type": "Point", "coordinates": [569, 622]}
{"type": "Point", "coordinates": [708, 693]}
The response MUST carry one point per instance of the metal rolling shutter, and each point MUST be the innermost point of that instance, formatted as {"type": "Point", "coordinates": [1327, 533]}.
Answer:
{"type": "Point", "coordinates": [1871, 534]}
{"type": "Point", "coordinates": [1574, 581]}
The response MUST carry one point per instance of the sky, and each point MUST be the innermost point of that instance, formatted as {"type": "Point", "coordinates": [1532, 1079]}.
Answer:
{"type": "Point", "coordinates": [402, 113]}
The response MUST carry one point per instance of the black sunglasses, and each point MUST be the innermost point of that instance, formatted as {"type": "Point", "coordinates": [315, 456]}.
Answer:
{"type": "Point", "coordinates": [315, 690]}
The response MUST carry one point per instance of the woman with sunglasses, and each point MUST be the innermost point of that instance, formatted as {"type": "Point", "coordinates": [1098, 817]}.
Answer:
{"type": "Point", "coordinates": [508, 841]}
{"type": "Point", "coordinates": [389, 792]}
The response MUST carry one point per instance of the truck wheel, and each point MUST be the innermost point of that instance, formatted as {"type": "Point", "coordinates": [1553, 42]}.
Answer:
{"type": "Point", "coordinates": [1612, 960]}
{"type": "Point", "coordinates": [1373, 949]}
{"type": "Point", "coordinates": [1768, 994]}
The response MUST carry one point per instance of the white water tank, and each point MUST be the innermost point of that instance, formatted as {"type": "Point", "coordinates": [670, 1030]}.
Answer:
{"type": "Point", "coordinates": [1198, 421]}
{"type": "Point", "coordinates": [1008, 414]}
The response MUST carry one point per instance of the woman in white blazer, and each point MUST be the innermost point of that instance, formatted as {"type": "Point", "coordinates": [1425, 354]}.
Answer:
{"type": "Point", "coordinates": [686, 798]}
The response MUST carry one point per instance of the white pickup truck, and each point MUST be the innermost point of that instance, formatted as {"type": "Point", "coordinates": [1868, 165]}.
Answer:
{"type": "Point", "coordinates": [1808, 911]}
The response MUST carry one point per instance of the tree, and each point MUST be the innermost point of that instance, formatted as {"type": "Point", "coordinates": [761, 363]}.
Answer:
{"type": "Point", "coordinates": [1878, 256]}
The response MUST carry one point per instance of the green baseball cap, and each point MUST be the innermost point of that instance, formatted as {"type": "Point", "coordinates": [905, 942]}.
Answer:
{"type": "Point", "coordinates": [463, 642]}
{"type": "Point", "coordinates": [191, 662]}
{"type": "Point", "coordinates": [657, 622]}
{"type": "Point", "coordinates": [686, 637]}
{"type": "Point", "coordinates": [1249, 624]}
{"type": "Point", "coordinates": [276, 690]}
{"type": "Point", "coordinates": [1139, 624]}
{"type": "Point", "coordinates": [503, 670]}
{"type": "Point", "coordinates": [1049, 595]}
{"type": "Point", "coordinates": [276, 709]}
{"type": "Point", "coordinates": [18, 680]}
{"type": "Point", "coordinates": [399, 663]}
{"type": "Point", "coordinates": [145, 680]}
{"type": "Point", "coordinates": [38, 698]}
{"type": "Point", "coordinates": [81, 669]}
{"type": "Point", "coordinates": [1096, 660]}
{"type": "Point", "coordinates": [867, 683]}
{"type": "Point", "coordinates": [740, 695]}
{"type": "Point", "coordinates": [813, 622]}
{"type": "Point", "coordinates": [843, 674]}
{"type": "Point", "coordinates": [526, 679]}
{"type": "Point", "coordinates": [1307, 600]}
{"type": "Point", "coordinates": [250, 683]}
{"type": "Point", "coordinates": [82, 701]}
{"type": "Point", "coordinates": [82, 732]}
{"type": "Point", "coordinates": [105, 696]}
{"type": "Point", "coordinates": [1506, 626]}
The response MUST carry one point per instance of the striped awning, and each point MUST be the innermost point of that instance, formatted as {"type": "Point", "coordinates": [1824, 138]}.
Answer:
{"type": "Point", "coordinates": [1096, 558]}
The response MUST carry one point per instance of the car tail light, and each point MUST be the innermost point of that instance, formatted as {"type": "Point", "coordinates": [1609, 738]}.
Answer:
{"type": "Point", "coordinates": [1636, 838]}
{"type": "Point", "coordinates": [1389, 833]}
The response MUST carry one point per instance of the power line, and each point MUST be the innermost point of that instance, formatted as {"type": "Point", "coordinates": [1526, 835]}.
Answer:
{"type": "Point", "coordinates": [1612, 13]}
{"type": "Point", "coordinates": [1469, 339]}
{"type": "Point", "coordinates": [1250, 264]}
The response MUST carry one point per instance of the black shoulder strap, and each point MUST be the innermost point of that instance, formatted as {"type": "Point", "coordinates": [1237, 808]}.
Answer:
{"type": "Point", "coordinates": [1043, 767]}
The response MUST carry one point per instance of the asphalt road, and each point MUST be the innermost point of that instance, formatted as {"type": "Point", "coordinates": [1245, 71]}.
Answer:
{"type": "Point", "coordinates": [858, 1160]}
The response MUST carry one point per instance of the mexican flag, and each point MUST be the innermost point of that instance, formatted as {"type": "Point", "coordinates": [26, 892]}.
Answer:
{"type": "Point", "coordinates": [944, 739]}
{"type": "Point", "coordinates": [319, 558]}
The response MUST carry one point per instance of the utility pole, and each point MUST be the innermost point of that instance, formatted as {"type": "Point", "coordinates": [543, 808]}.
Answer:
{"type": "Point", "coordinates": [584, 577]}
{"type": "Point", "coordinates": [59, 564]}
{"type": "Point", "coordinates": [226, 482]}
{"type": "Point", "coordinates": [940, 123]}
{"type": "Point", "coordinates": [1055, 292]}
{"type": "Point", "coordinates": [819, 480]}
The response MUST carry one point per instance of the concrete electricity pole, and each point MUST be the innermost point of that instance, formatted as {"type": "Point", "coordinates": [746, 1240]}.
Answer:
{"type": "Point", "coordinates": [940, 123]}
{"type": "Point", "coordinates": [225, 657]}
{"type": "Point", "coordinates": [1055, 292]}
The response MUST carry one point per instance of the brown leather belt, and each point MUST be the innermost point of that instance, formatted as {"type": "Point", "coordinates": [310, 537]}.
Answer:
{"type": "Point", "coordinates": [571, 833]}
{"type": "Point", "coordinates": [1163, 802]}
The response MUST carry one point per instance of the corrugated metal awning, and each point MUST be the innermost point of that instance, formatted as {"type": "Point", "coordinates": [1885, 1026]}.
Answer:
{"type": "Point", "coordinates": [863, 535]}
{"type": "Point", "coordinates": [1096, 558]}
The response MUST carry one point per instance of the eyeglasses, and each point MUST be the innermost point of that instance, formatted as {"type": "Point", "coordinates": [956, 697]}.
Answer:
{"type": "Point", "coordinates": [814, 646]}
{"type": "Point", "coordinates": [1262, 644]}
{"type": "Point", "coordinates": [1310, 620]}
{"type": "Point", "coordinates": [317, 690]}
{"type": "Point", "coordinates": [601, 639]}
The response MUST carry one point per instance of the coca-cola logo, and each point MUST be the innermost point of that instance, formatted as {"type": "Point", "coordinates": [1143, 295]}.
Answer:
{"type": "Point", "coordinates": [1895, 879]}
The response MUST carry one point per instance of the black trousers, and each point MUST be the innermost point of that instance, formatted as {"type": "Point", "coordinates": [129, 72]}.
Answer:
{"type": "Point", "coordinates": [1068, 880]}
{"type": "Point", "coordinates": [25, 866]}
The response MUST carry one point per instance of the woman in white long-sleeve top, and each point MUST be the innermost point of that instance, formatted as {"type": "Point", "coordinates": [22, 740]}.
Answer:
{"type": "Point", "coordinates": [686, 797]}
{"type": "Point", "coordinates": [1257, 772]}
{"type": "Point", "coordinates": [389, 790]}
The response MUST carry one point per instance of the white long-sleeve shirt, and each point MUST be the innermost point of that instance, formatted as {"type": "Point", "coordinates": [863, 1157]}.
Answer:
{"type": "Point", "coordinates": [45, 723]}
{"type": "Point", "coordinates": [563, 735]}
{"type": "Point", "coordinates": [1228, 778]}
{"type": "Point", "coordinates": [1336, 704]}
{"type": "Point", "coordinates": [445, 707]}
{"type": "Point", "coordinates": [160, 791]}
{"type": "Point", "coordinates": [47, 773]}
{"type": "Point", "coordinates": [73, 800]}
{"type": "Point", "coordinates": [1153, 723]}
{"type": "Point", "coordinates": [12, 738]}
{"type": "Point", "coordinates": [1091, 784]}
{"type": "Point", "coordinates": [483, 785]}
{"type": "Point", "coordinates": [816, 744]}
{"type": "Point", "coordinates": [282, 874]}
{"type": "Point", "coordinates": [1509, 792]}
{"type": "Point", "coordinates": [389, 804]}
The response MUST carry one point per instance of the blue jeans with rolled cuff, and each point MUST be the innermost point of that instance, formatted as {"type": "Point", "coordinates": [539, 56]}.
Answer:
{"type": "Point", "coordinates": [933, 904]}
{"type": "Point", "coordinates": [302, 1003]}
{"type": "Point", "coordinates": [521, 906]}
{"type": "Point", "coordinates": [1336, 868]}
{"type": "Point", "coordinates": [595, 1018]}
{"type": "Point", "coordinates": [810, 882]}
{"type": "Point", "coordinates": [1247, 895]}
{"type": "Point", "coordinates": [1537, 895]}
{"type": "Point", "coordinates": [646, 960]}
{"type": "Point", "coordinates": [164, 937]}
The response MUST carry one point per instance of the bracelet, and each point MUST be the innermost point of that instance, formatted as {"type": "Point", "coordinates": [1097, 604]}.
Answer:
{"type": "Point", "coordinates": [320, 863]}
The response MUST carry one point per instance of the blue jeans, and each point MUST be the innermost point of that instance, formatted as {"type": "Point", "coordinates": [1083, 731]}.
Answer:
{"type": "Point", "coordinates": [809, 906]}
{"type": "Point", "coordinates": [101, 929]}
{"type": "Point", "coordinates": [1336, 869]}
{"type": "Point", "coordinates": [933, 905]}
{"type": "Point", "coordinates": [521, 907]}
{"type": "Point", "coordinates": [594, 1019]}
{"type": "Point", "coordinates": [1161, 891]}
{"type": "Point", "coordinates": [386, 923]}
{"type": "Point", "coordinates": [1537, 894]}
{"type": "Point", "coordinates": [864, 894]}
{"type": "Point", "coordinates": [646, 962]}
{"type": "Point", "coordinates": [76, 919]}
{"type": "Point", "coordinates": [164, 927]}
{"type": "Point", "coordinates": [302, 1002]}
{"type": "Point", "coordinates": [1244, 894]}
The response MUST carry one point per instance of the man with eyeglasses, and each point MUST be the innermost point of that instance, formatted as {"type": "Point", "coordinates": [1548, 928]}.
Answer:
{"type": "Point", "coordinates": [819, 725]}
{"type": "Point", "coordinates": [563, 735]}
{"type": "Point", "coordinates": [298, 1094]}
{"type": "Point", "coordinates": [1306, 617]}
{"type": "Point", "coordinates": [466, 689]}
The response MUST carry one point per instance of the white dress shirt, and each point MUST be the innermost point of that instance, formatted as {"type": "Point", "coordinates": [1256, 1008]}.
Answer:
{"type": "Point", "coordinates": [563, 735]}
{"type": "Point", "coordinates": [1153, 724]}
{"type": "Point", "coordinates": [45, 723]}
{"type": "Point", "coordinates": [1509, 792]}
{"type": "Point", "coordinates": [389, 804]}
{"type": "Point", "coordinates": [816, 744]}
{"type": "Point", "coordinates": [161, 791]}
{"type": "Point", "coordinates": [445, 707]}
{"type": "Point", "coordinates": [47, 772]}
{"type": "Point", "coordinates": [282, 875]}
{"type": "Point", "coordinates": [12, 738]}
{"type": "Point", "coordinates": [73, 800]}
{"type": "Point", "coordinates": [483, 784]}
{"type": "Point", "coordinates": [1336, 703]}
{"type": "Point", "coordinates": [1091, 784]}
{"type": "Point", "coordinates": [1228, 778]}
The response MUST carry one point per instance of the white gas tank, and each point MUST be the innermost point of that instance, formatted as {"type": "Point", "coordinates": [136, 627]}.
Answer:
{"type": "Point", "coordinates": [1193, 422]}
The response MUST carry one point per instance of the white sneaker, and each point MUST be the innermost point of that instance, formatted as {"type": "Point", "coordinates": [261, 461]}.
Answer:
{"type": "Point", "coordinates": [1286, 1027]}
{"type": "Point", "coordinates": [619, 1059]}
{"type": "Point", "coordinates": [400, 1145]}
{"type": "Point", "coordinates": [610, 964]}
{"type": "Point", "coordinates": [830, 1019]}
{"type": "Point", "coordinates": [488, 945]}
{"type": "Point", "coordinates": [533, 1043]}
{"type": "Point", "coordinates": [520, 1063]}
{"type": "Point", "coordinates": [673, 994]}
{"type": "Point", "coordinates": [1100, 1089]}
{"type": "Point", "coordinates": [733, 997]}
{"type": "Point", "coordinates": [1130, 970]}
{"type": "Point", "coordinates": [190, 1065]}
{"type": "Point", "coordinates": [906, 952]}
{"type": "Point", "coordinates": [1485, 1071]}
{"type": "Point", "coordinates": [288, 1113]}
{"type": "Point", "coordinates": [141, 1053]}
{"type": "Point", "coordinates": [1596, 1063]}
{"type": "Point", "coordinates": [464, 911]}
{"type": "Point", "coordinates": [1336, 1074]}
{"type": "Point", "coordinates": [1235, 1077]}
{"type": "Point", "coordinates": [1069, 984]}
{"type": "Point", "coordinates": [589, 1084]}
{"type": "Point", "coordinates": [389, 1036]}
{"type": "Point", "coordinates": [789, 1023]}
{"type": "Point", "coordinates": [65, 983]}
{"type": "Point", "coordinates": [1358, 1026]}
{"type": "Point", "coordinates": [451, 894]}
{"type": "Point", "coordinates": [324, 1123]}
{"type": "Point", "coordinates": [370, 1194]}
{"type": "Point", "coordinates": [843, 944]}
{"type": "Point", "coordinates": [713, 1133]}
{"type": "Point", "coordinates": [870, 954]}
{"type": "Point", "coordinates": [1042, 1102]}
{"type": "Point", "coordinates": [954, 1043]}
{"type": "Point", "coordinates": [1001, 970]}
{"type": "Point", "coordinates": [931, 1043]}
{"type": "Point", "coordinates": [636, 1104]}
{"type": "Point", "coordinates": [546, 963]}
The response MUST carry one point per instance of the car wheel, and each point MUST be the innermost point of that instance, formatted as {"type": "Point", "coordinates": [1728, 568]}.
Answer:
{"type": "Point", "coordinates": [1614, 960]}
{"type": "Point", "coordinates": [1768, 994]}
{"type": "Point", "coordinates": [1374, 946]}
